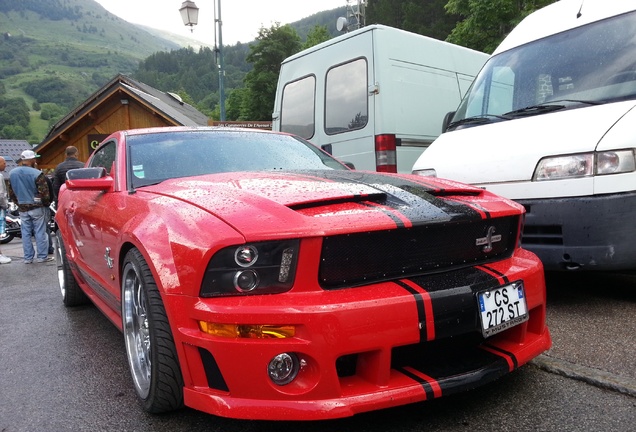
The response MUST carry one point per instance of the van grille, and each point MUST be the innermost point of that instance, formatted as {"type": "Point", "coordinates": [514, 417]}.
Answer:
{"type": "Point", "coordinates": [362, 258]}
{"type": "Point", "coordinates": [542, 235]}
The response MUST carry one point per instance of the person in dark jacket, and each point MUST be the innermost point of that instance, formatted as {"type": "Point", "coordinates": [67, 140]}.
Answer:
{"type": "Point", "coordinates": [59, 175]}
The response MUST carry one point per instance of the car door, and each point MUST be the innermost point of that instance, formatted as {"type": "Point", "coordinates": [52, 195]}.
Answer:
{"type": "Point", "coordinates": [91, 218]}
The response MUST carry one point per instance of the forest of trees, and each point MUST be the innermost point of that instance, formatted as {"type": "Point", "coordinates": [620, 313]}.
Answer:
{"type": "Point", "coordinates": [251, 70]}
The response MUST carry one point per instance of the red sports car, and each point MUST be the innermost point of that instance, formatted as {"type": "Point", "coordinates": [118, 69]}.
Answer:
{"type": "Point", "coordinates": [254, 276]}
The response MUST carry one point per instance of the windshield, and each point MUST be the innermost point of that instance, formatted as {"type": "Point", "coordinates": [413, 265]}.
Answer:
{"type": "Point", "coordinates": [155, 157]}
{"type": "Point", "coordinates": [587, 65]}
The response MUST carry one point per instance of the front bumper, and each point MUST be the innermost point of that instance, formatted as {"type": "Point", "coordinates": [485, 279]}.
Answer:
{"type": "Point", "coordinates": [364, 348]}
{"type": "Point", "coordinates": [582, 233]}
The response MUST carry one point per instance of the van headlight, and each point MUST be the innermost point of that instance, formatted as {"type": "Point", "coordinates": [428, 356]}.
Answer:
{"type": "Point", "coordinates": [585, 165]}
{"type": "Point", "coordinates": [254, 268]}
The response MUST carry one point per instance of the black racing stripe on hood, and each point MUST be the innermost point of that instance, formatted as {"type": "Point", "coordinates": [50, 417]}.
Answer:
{"type": "Point", "coordinates": [398, 222]}
{"type": "Point", "coordinates": [418, 202]}
{"type": "Point", "coordinates": [474, 205]}
{"type": "Point", "coordinates": [453, 298]}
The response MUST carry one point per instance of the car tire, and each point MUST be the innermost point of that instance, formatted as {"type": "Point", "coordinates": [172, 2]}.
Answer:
{"type": "Point", "coordinates": [72, 294]}
{"type": "Point", "coordinates": [150, 348]}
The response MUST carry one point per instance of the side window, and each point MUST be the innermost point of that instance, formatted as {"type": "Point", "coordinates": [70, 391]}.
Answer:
{"type": "Point", "coordinates": [104, 156]}
{"type": "Point", "coordinates": [298, 107]}
{"type": "Point", "coordinates": [346, 100]}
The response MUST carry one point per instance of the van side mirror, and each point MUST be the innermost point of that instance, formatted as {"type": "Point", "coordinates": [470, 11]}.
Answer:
{"type": "Point", "coordinates": [349, 165]}
{"type": "Point", "coordinates": [447, 120]}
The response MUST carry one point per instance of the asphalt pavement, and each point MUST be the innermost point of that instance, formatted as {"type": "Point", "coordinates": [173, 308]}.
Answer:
{"type": "Point", "coordinates": [591, 319]}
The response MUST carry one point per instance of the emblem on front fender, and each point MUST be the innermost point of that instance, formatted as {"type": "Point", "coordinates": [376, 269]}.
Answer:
{"type": "Point", "coordinates": [487, 241]}
{"type": "Point", "coordinates": [109, 260]}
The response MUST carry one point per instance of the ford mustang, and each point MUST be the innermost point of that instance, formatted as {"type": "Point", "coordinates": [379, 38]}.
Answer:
{"type": "Point", "coordinates": [254, 276]}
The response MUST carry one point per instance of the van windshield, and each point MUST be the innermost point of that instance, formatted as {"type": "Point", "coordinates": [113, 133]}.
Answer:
{"type": "Point", "coordinates": [591, 64]}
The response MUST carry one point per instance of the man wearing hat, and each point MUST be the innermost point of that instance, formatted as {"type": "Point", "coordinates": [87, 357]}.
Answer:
{"type": "Point", "coordinates": [29, 189]}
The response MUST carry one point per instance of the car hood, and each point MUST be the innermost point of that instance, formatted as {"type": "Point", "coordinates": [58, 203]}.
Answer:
{"type": "Point", "coordinates": [264, 205]}
{"type": "Point", "coordinates": [509, 151]}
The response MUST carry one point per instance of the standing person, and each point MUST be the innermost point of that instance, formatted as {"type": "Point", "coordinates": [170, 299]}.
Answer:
{"type": "Point", "coordinates": [29, 189]}
{"type": "Point", "coordinates": [59, 175]}
{"type": "Point", "coordinates": [4, 204]}
{"type": "Point", "coordinates": [47, 213]}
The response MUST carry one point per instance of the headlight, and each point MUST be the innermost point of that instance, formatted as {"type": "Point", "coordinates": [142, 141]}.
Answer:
{"type": "Point", "coordinates": [429, 172]}
{"type": "Point", "coordinates": [255, 268]}
{"type": "Point", "coordinates": [584, 165]}
{"type": "Point", "coordinates": [614, 162]}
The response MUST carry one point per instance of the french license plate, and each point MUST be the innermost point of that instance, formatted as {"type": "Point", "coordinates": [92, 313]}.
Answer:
{"type": "Point", "coordinates": [502, 308]}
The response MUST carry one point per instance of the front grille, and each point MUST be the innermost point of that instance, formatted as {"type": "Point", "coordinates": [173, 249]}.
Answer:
{"type": "Point", "coordinates": [362, 258]}
{"type": "Point", "coordinates": [542, 235]}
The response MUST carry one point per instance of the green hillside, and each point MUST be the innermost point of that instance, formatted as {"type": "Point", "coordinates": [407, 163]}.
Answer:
{"type": "Point", "coordinates": [58, 52]}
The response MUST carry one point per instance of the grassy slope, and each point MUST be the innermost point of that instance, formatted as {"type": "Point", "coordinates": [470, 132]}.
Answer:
{"type": "Point", "coordinates": [74, 50]}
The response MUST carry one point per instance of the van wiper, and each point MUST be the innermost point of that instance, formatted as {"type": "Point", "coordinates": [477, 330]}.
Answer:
{"type": "Point", "coordinates": [547, 107]}
{"type": "Point", "coordinates": [534, 110]}
{"type": "Point", "coordinates": [478, 119]}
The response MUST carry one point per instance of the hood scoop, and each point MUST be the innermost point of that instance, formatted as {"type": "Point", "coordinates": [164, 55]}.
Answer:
{"type": "Point", "coordinates": [379, 197]}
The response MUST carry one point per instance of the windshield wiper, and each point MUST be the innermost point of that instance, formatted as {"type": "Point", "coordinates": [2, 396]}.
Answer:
{"type": "Point", "coordinates": [479, 119]}
{"type": "Point", "coordinates": [576, 101]}
{"type": "Point", "coordinates": [534, 110]}
{"type": "Point", "coordinates": [546, 107]}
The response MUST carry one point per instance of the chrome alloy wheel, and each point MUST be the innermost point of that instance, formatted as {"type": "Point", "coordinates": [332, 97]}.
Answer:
{"type": "Point", "coordinates": [59, 263]}
{"type": "Point", "coordinates": [136, 329]}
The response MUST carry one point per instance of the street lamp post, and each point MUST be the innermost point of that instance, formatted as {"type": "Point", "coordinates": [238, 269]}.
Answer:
{"type": "Point", "coordinates": [190, 15]}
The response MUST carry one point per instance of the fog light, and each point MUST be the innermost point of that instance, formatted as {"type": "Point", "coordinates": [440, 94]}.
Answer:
{"type": "Point", "coordinates": [283, 368]}
{"type": "Point", "coordinates": [246, 280]}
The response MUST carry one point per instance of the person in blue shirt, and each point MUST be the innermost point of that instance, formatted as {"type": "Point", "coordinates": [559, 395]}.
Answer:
{"type": "Point", "coordinates": [30, 191]}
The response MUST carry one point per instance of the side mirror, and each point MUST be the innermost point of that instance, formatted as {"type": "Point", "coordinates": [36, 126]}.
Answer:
{"type": "Point", "coordinates": [328, 148]}
{"type": "Point", "coordinates": [93, 178]}
{"type": "Point", "coordinates": [447, 120]}
{"type": "Point", "coordinates": [350, 165]}
{"type": "Point", "coordinates": [85, 173]}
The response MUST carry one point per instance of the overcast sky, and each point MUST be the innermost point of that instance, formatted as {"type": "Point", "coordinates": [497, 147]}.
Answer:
{"type": "Point", "coordinates": [241, 19]}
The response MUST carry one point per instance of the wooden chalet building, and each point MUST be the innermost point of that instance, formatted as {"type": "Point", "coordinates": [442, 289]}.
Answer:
{"type": "Point", "coordinates": [122, 103]}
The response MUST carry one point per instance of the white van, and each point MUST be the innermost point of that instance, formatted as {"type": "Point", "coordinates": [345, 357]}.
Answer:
{"type": "Point", "coordinates": [375, 97]}
{"type": "Point", "coordinates": [550, 122]}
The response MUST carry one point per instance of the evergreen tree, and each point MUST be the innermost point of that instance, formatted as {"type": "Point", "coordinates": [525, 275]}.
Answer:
{"type": "Point", "coordinates": [14, 118]}
{"type": "Point", "coordinates": [486, 22]}
{"type": "Point", "coordinates": [316, 35]}
{"type": "Point", "coordinates": [272, 46]}
{"type": "Point", "coordinates": [425, 17]}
